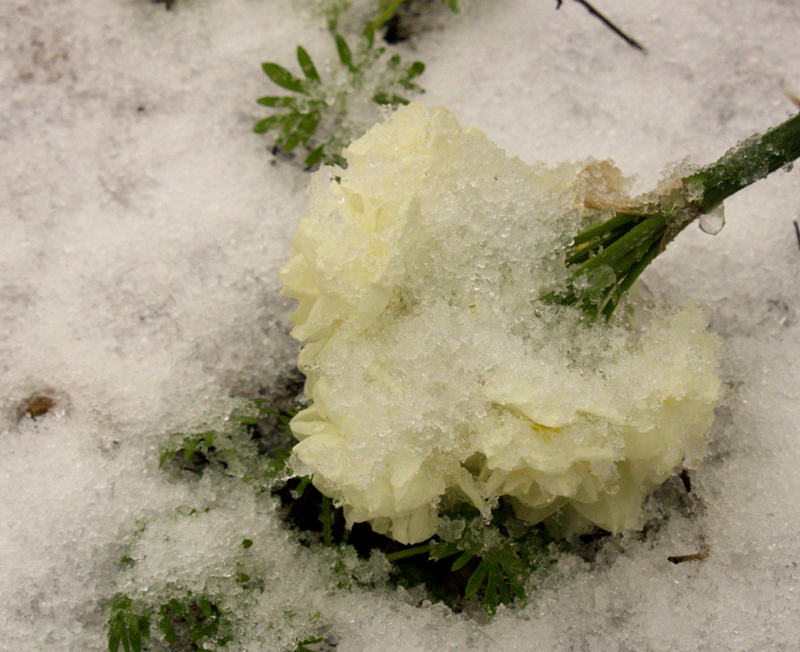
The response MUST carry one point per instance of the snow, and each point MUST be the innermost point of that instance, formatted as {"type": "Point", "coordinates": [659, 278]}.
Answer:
{"type": "Point", "coordinates": [142, 225]}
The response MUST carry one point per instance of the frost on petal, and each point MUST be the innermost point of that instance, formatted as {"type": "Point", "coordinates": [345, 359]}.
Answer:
{"type": "Point", "coordinates": [435, 375]}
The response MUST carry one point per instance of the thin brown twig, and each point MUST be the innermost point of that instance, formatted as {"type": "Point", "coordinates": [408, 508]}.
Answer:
{"type": "Point", "coordinates": [797, 231]}
{"type": "Point", "coordinates": [628, 39]}
{"type": "Point", "coordinates": [698, 556]}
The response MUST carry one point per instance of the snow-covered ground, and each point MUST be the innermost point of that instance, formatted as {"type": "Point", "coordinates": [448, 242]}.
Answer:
{"type": "Point", "coordinates": [142, 225]}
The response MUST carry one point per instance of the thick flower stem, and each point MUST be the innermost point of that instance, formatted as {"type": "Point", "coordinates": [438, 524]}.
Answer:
{"type": "Point", "coordinates": [610, 256]}
{"type": "Point", "coordinates": [750, 161]}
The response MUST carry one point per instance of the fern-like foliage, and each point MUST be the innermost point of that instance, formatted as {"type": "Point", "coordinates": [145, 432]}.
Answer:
{"type": "Point", "coordinates": [192, 619]}
{"type": "Point", "coordinates": [499, 573]}
{"type": "Point", "coordinates": [490, 560]}
{"type": "Point", "coordinates": [128, 626]}
{"type": "Point", "coordinates": [237, 448]}
{"type": "Point", "coordinates": [325, 116]}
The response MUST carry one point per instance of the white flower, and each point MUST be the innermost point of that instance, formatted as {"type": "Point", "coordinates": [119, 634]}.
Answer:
{"type": "Point", "coordinates": [434, 373]}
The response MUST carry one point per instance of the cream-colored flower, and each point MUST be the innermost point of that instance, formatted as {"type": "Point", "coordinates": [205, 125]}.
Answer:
{"type": "Point", "coordinates": [599, 440]}
{"type": "Point", "coordinates": [434, 373]}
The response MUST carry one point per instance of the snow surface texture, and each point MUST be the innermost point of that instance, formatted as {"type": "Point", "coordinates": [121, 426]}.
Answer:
{"type": "Point", "coordinates": [143, 225]}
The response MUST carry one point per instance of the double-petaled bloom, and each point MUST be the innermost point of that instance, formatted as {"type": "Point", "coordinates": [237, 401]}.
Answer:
{"type": "Point", "coordinates": [436, 374]}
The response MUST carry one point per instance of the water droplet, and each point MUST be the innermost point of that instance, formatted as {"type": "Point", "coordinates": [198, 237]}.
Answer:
{"type": "Point", "coordinates": [713, 222]}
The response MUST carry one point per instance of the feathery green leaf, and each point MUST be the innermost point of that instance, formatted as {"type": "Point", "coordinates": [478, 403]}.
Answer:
{"type": "Point", "coordinates": [283, 78]}
{"type": "Point", "coordinates": [307, 65]}
{"type": "Point", "coordinates": [345, 54]}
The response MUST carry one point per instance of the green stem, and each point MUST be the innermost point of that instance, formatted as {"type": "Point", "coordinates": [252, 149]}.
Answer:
{"type": "Point", "coordinates": [326, 516]}
{"type": "Point", "coordinates": [387, 10]}
{"type": "Point", "coordinates": [619, 291]}
{"type": "Point", "coordinates": [643, 234]}
{"type": "Point", "coordinates": [619, 220]}
{"type": "Point", "coordinates": [409, 552]}
{"type": "Point", "coordinates": [750, 161]}
{"type": "Point", "coordinates": [631, 239]}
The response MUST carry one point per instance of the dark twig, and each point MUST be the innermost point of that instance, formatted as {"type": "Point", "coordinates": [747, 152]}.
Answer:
{"type": "Point", "coordinates": [698, 556]}
{"type": "Point", "coordinates": [797, 231]}
{"type": "Point", "coordinates": [687, 481]}
{"type": "Point", "coordinates": [628, 39]}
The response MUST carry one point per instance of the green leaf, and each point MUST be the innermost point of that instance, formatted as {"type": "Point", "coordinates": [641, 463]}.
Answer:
{"type": "Point", "coordinates": [283, 77]}
{"type": "Point", "coordinates": [476, 581]}
{"type": "Point", "coordinates": [291, 141]}
{"type": "Point", "coordinates": [262, 405]}
{"type": "Point", "coordinates": [462, 561]}
{"type": "Point", "coordinates": [134, 632]}
{"type": "Point", "coordinates": [266, 124]}
{"type": "Point", "coordinates": [166, 456]}
{"type": "Point", "coordinates": [516, 586]}
{"type": "Point", "coordinates": [247, 543]}
{"type": "Point", "coordinates": [509, 560]}
{"type": "Point", "coordinates": [115, 634]}
{"type": "Point", "coordinates": [302, 486]}
{"type": "Point", "coordinates": [278, 460]}
{"type": "Point", "coordinates": [288, 123]}
{"type": "Point", "coordinates": [166, 627]}
{"type": "Point", "coordinates": [126, 644]}
{"type": "Point", "coordinates": [414, 70]}
{"type": "Point", "coordinates": [277, 102]}
{"type": "Point", "coordinates": [369, 34]}
{"type": "Point", "coordinates": [382, 98]}
{"type": "Point", "coordinates": [345, 55]}
{"type": "Point", "coordinates": [307, 126]}
{"type": "Point", "coordinates": [307, 65]}
{"type": "Point", "coordinates": [501, 585]}
{"type": "Point", "coordinates": [302, 646]}
{"type": "Point", "coordinates": [445, 549]}
{"type": "Point", "coordinates": [492, 594]}
{"type": "Point", "coordinates": [206, 607]}
{"type": "Point", "coordinates": [312, 159]}
{"type": "Point", "coordinates": [189, 446]}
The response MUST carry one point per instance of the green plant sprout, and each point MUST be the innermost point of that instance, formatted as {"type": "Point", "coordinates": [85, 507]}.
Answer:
{"type": "Point", "coordinates": [494, 563]}
{"type": "Point", "coordinates": [317, 115]}
{"type": "Point", "coordinates": [236, 448]}
{"type": "Point", "coordinates": [388, 9]}
{"type": "Point", "coordinates": [325, 116]}
{"type": "Point", "coordinates": [191, 619]}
